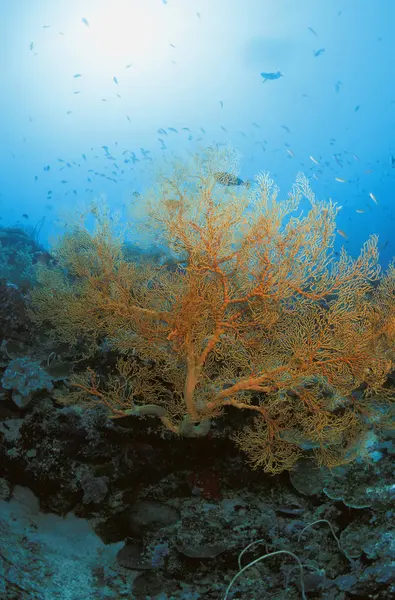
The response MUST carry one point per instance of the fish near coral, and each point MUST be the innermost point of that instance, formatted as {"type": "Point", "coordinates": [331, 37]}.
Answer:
{"type": "Point", "coordinates": [228, 179]}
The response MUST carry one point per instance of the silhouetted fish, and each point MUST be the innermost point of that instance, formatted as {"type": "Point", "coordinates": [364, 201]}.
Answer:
{"type": "Point", "coordinates": [271, 76]}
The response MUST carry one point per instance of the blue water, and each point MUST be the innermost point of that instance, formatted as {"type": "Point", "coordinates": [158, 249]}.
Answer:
{"type": "Point", "coordinates": [94, 95]}
{"type": "Point", "coordinates": [87, 83]}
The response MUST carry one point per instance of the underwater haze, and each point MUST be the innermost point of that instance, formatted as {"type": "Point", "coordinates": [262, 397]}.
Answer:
{"type": "Point", "coordinates": [94, 92]}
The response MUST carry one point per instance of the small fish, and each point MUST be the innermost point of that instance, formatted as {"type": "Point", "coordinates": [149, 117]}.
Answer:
{"type": "Point", "coordinates": [341, 232]}
{"type": "Point", "coordinates": [287, 129]}
{"type": "Point", "coordinates": [115, 80]}
{"type": "Point", "coordinates": [355, 157]}
{"type": "Point", "coordinates": [359, 211]}
{"type": "Point", "coordinates": [356, 109]}
{"type": "Point", "coordinates": [69, 112]}
{"type": "Point", "coordinates": [228, 179]}
{"type": "Point", "coordinates": [392, 161]}
{"type": "Point", "coordinates": [31, 46]}
{"type": "Point", "coordinates": [292, 154]}
{"type": "Point", "coordinates": [314, 160]}
{"type": "Point", "coordinates": [128, 118]}
{"type": "Point", "coordinates": [77, 75]}
{"type": "Point", "coordinates": [221, 103]}
{"type": "Point", "coordinates": [224, 129]}
{"type": "Point", "coordinates": [173, 129]}
{"type": "Point", "coordinates": [373, 197]}
{"type": "Point", "coordinates": [25, 216]}
{"type": "Point", "coordinates": [340, 180]}
{"type": "Point", "coordinates": [46, 26]}
{"type": "Point", "coordinates": [271, 76]}
{"type": "Point", "coordinates": [198, 15]}
{"type": "Point", "coordinates": [83, 156]}
{"type": "Point", "coordinates": [337, 86]}
{"type": "Point", "coordinates": [128, 66]}
{"type": "Point", "coordinates": [172, 45]}
{"type": "Point", "coordinates": [256, 125]}
{"type": "Point", "coordinates": [319, 52]}
{"type": "Point", "coordinates": [312, 31]}
{"type": "Point", "coordinates": [85, 22]}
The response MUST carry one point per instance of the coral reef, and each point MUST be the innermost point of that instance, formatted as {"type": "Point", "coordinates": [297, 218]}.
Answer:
{"type": "Point", "coordinates": [247, 315]}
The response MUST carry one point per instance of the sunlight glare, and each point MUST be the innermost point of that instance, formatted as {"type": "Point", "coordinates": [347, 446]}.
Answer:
{"type": "Point", "coordinates": [122, 29]}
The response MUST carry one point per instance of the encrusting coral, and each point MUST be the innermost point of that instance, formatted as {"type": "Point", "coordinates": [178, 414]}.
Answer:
{"type": "Point", "coordinates": [258, 314]}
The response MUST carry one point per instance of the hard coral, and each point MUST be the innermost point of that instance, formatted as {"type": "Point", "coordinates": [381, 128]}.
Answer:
{"type": "Point", "coordinates": [24, 377]}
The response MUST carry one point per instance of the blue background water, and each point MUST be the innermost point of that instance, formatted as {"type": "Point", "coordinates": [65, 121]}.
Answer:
{"type": "Point", "coordinates": [337, 106]}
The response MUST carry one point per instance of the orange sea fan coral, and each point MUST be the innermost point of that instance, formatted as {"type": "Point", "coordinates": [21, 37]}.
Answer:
{"type": "Point", "coordinates": [258, 315]}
